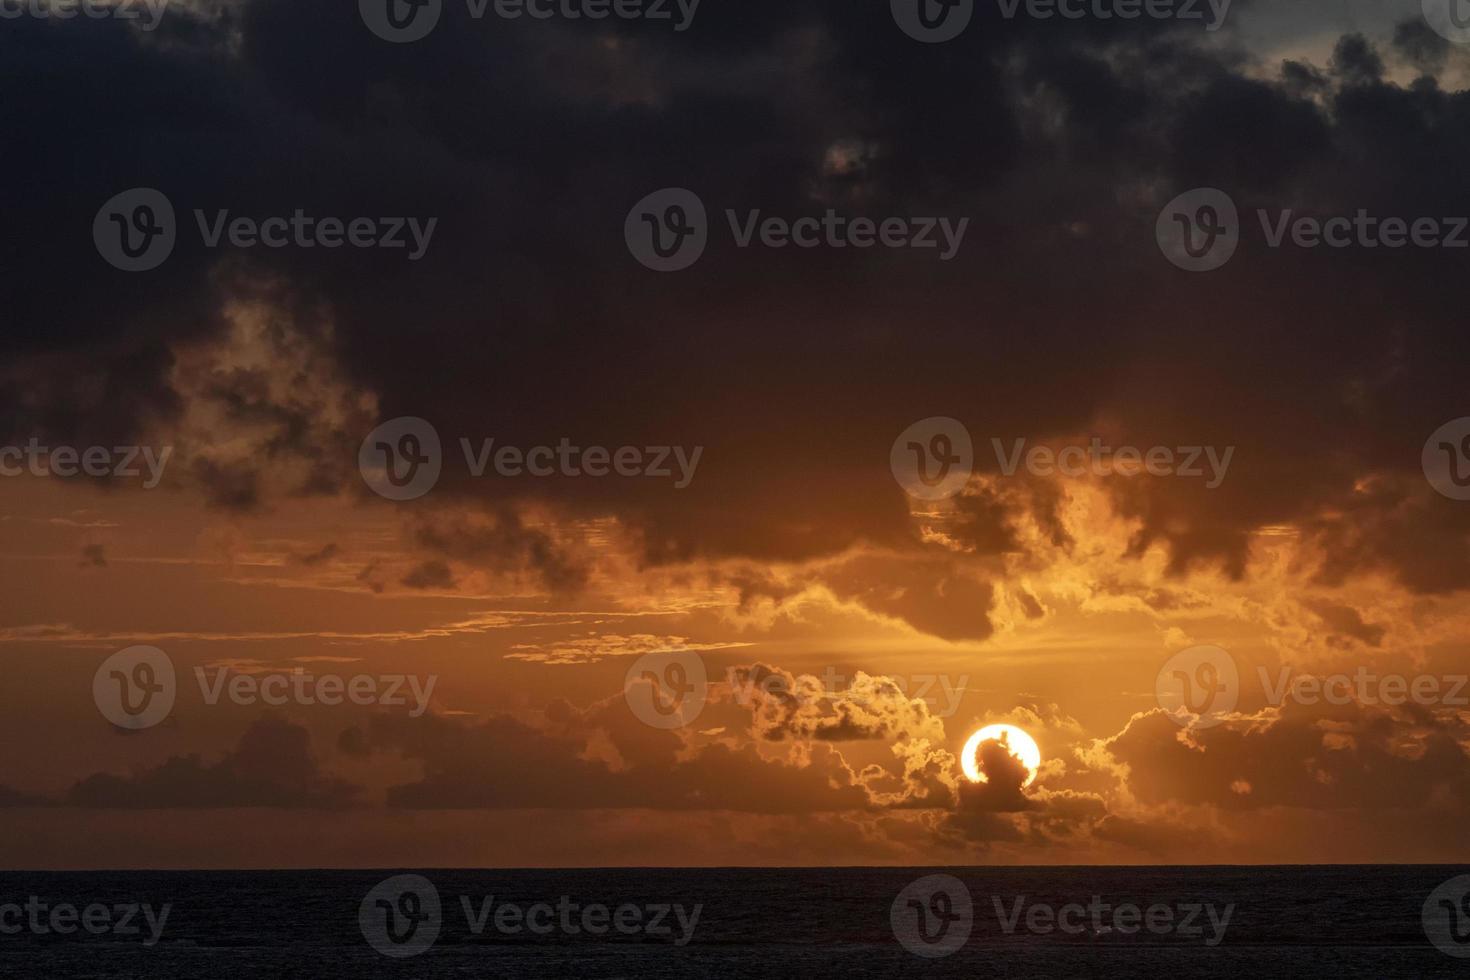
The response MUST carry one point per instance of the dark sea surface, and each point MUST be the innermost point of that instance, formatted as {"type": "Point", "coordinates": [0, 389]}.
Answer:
{"type": "Point", "coordinates": [1346, 921]}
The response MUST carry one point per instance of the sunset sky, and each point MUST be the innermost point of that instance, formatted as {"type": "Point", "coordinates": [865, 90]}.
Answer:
{"type": "Point", "coordinates": [1042, 600]}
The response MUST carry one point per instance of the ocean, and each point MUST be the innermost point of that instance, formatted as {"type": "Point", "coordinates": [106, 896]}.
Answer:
{"type": "Point", "coordinates": [1339, 921]}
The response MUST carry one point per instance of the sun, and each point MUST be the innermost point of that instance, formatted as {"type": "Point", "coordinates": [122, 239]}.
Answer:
{"type": "Point", "coordinates": [1021, 745]}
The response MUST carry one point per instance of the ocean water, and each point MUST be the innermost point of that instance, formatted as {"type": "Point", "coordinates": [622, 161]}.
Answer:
{"type": "Point", "coordinates": [1343, 921]}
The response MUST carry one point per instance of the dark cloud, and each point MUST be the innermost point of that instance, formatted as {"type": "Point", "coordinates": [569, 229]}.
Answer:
{"type": "Point", "coordinates": [503, 763]}
{"type": "Point", "coordinates": [1421, 46]}
{"type": "Point", "coordinates": [272, 766]}
{"type": "Point", "coordinates": [500, 542]}
{"type": "Point", "coordinates": [1315, 757]}
{"type": "Point", "coordinates": [15, 798]}
{"type": "Point", "coordinates": [430, 575]}
{"type": "Point", "coordinates": [528, 321]}
{"type": "Point", "coordinates": [1347, 623]}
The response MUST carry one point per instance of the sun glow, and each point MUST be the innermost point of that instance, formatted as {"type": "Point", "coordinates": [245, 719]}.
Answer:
{"type": "Point", "coordinates": [1016, 741]}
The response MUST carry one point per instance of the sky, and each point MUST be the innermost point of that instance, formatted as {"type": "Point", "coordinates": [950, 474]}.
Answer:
{"type": "Point", "coordinates": [768, 526]}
